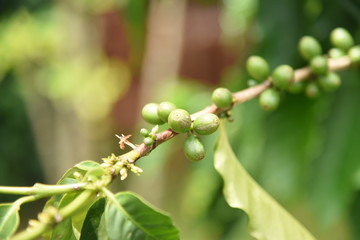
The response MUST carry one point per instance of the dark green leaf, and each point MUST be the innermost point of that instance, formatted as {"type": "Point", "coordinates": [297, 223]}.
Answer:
{"type": "Point", "coordinates": [131, 218]}
{"type": "Point", "coordinates": [9, 219]}
{"type": "Point", "coordinates": [92, 221]}
{"type": "Point", "coordinates": [267, 219]}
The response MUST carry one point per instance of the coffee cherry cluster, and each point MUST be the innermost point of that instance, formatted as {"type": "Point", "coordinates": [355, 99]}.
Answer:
{"type": "Point", "coordinates": [180, 121]}
{"type": "Point", "coordinates": [321, 79]}
{"type": "Point", "coordinates": [282, 78]}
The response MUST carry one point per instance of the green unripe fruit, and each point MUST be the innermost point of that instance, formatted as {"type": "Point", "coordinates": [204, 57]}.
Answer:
{"type": "Point", "coordinates": [341, 38]}
{"type": "Point", "coordinates": [258, 67]}
{"type": "Point", "coordinates": [269, 99]}
{"type": "Point", "coordinates": [148, 141]}
{"type": "Point", "coordinates": [319, 65]}
{"type": "Point", "coordinates": [296, 87]}
{"type": "Point", "coordinates": [193, 148]}
{"type": "Point", "coordinates": [309, 47]}
{"type": "Point", "coordinates": [164, 110]}
{"type": "Point", "coordinates": [149, 113]}
{"type": "Point", "coordinates": [206, 124]}
{"type": "Point", "coordinates": [282, 76]}
{"type": "Point", "coordinates": [222, 97]}
{"type": "Point", "coordinates": [144, 132]}
{"type": "Point", "coordinates": [180, 121]}
{"type": "Point", "coordinates": [330, 81]}
{"type": "Point", "coordinates": [312, 90]}
{"type": "Point", "coordinates": [336, 53]}
{"type": "Point", "coordinates": [354, 54]}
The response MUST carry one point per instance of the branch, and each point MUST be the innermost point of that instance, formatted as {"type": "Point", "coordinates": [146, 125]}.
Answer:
{"type": "Point", "coordinates": [42, 189]}
{"type": "Point", "coordinates": [335, 64]}
{"type": "Point", "coordinates": [127, 160]}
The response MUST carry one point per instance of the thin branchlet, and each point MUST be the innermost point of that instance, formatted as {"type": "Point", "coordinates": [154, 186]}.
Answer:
{"type": "Point", "coordinates": [336, 64]}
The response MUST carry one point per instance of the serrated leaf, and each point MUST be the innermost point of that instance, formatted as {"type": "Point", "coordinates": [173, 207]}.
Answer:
{"type": "Point", "coordinates": [92, 221]}
{"type": "Point", "coordinates": [131, 218]}
{"type": "Point", "coordinates": [9, 219]}
{"type": "Point", "coordinates": [267, 219]}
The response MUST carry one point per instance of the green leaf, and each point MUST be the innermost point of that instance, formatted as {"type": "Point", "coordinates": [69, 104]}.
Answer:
{"type": "Point", "coordinates": [267, 219]}
{"type": "Point", "coordinates": [68, 178]}
{"type": "Point", "coordinates": [131, 218]}
{"type": "Point", "coordinates": [92, 221]}
{"type": "Point", "coordinates": [82, 168]}
{"type": "Point", "coordinates": [63, 230]}
{"type": "Point", "coordinates": [9, 219]}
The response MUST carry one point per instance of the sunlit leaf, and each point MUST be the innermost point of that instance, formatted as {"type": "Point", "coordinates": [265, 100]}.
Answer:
{"type": "Point", "coordinates": [91, 226]}
{"type": "Point", "coordinates": [9, 219]}
{"type": "Point", "coordinates": [131, 218]}
{"type": "Point", "coordinates": [267, 219]}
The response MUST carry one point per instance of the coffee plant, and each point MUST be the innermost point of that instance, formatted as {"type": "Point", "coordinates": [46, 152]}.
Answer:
{"type": "Point", "coordinates": [82, 206]}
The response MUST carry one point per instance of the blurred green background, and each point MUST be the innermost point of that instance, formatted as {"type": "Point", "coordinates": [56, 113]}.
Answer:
{"type": "Point", "coordinates": [75, 73]}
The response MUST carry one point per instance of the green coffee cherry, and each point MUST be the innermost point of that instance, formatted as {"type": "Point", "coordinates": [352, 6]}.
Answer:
{"type": "Point", "coordinates": [206, 124]}
{"type": "Point", "coordinates": [296, 87]}
{"type": "Point", "coordinates": [341, 38]}
{"type": "Point", "coordinates": [269, 99]}
{"type": "Point", "coordinates": [336, 53]}
{"type": "Point", "coordinates": [148, 141]}
{"type": "Point", "coordinates": [144, 132]}
{"type": "Point", "coordinates": [222, 97]}
{"type": "Point", "coordinates": [282, 76]}
{"type": "Point", "coordinates": [354, 54]}
{"type": "Point", "coordinates": [180, 121]}
{"type": "Point", "coordinates": [309, 47]}
{"type": "Point", "coordinates": [319, 65]}
{"type": "Point", "coordinates": [312, 90]}
{"type": "Point", "coordinates": [149, 113]}
{"type": "Point", "coordinates": [257, 67]}
{"type": "Point", "coordinates": [330, 81]}
{"type": "Point", "coordinates": [193, 148]}
{"type": "Point", "coordinates": [164, 110]}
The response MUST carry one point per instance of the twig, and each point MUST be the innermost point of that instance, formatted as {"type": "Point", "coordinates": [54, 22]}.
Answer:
{"type": "Point", "coordinates": [336, 64]}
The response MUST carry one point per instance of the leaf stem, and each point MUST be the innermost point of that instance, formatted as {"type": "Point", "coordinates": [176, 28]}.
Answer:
{"type": "Point", "coordinates": [42, 189]}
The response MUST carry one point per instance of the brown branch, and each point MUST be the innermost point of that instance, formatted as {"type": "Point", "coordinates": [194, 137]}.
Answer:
{"type": "Point", "coordinates": [247, 94]}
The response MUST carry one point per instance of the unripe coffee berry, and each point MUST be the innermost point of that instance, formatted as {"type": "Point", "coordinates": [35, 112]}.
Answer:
{"type": "Point", "coordinates": [319, 65]}
{"type": "Point", "coordinates": [341, 38]}
{"type": "Point", "coordinates": [312, 90]}
{"type": "Point", "coordinates": [206, 124]}
{"type": "Point", "coordinates": [309, 47]}
{"type": "Point", "coordinates": [269, 99]}
{"type": "Point", "coordinates": [282, 76]}
{"type": "Point", "coordinates": [336, 53]}
{"type": "Point", "coordinates": [296, 87]}
{"type": "Point", "coordinates": [180, 121]}
{"type": "Point", "coordinates": [354, 54]}
{"type": "Point", "coordinates": [148, 141]}
{"type": "Point", "coordinates": [257, 67]}
{"type": "Point", "coordinates": [164, 110]}
{"type": "Point", "coordinates": [144, 132]}
{"type": "Point", "coordinates": [149, 113]}
{"type": "Point", "coordinates": [193, 148]}
{"type": "Point", "coordinates": [222, 97]}
{"type": "Point", "coordinates": [330, 81]}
